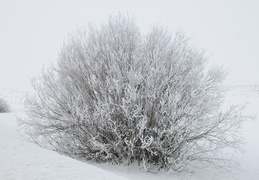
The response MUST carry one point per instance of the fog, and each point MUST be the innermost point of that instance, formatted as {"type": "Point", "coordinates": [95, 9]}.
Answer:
{"type": "Point", "coordinates": [32, 32]}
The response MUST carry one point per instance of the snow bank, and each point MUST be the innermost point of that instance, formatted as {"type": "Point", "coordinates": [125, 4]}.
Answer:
{"type": "Point", "coordinates": [20, 159]}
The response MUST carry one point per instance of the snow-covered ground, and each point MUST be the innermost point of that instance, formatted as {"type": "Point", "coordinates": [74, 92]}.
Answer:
{"type": "Point", "coordinates": [20, 159]}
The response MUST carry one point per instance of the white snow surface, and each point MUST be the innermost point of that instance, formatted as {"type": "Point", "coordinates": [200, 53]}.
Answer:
{"type": "Point", "coordinates": [22, 160]}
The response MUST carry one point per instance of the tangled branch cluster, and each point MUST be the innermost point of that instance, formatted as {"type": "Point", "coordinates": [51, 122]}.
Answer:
{"type": "Point", "coordinates": [117, 95]}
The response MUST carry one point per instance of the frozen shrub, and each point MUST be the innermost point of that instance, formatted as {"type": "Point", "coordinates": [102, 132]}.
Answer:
{"type": "Point", "coordinates": [4, 107]}
{"type": "Point", "coordinates": [117, 95]}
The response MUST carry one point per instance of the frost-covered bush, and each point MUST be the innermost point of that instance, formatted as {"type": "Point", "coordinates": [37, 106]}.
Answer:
{"type": "Point", "coordinates": [118, 95]}
{"type": "Point", "coordinates": [4, 107]}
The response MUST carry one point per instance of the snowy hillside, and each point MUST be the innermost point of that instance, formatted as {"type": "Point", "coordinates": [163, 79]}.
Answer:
{"type": "Point", "coordinates": [20, 159]}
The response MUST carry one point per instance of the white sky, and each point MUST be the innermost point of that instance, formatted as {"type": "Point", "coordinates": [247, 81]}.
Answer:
{"type": "Point", "coordinates": [31, 31]}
